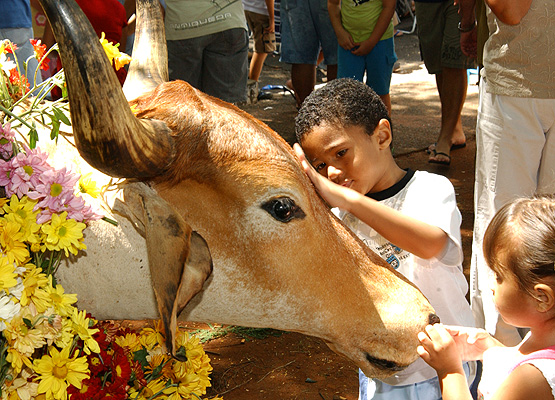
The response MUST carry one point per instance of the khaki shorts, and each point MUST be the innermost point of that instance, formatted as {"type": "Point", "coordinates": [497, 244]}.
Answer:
{"type": "Point", "coordinates": [439, 37]}
{"type": "Point", "coordinates": [263, 43]}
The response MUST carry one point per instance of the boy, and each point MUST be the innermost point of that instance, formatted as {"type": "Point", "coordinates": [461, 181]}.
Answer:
{"type": "Point", "coordinates": [410, 218]}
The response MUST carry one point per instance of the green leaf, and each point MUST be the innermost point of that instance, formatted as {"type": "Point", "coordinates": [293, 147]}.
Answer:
{"type": "Point", "coordinates": [27, 323]}
{"type": "Point", "coordinates": [140, 356]}
{"type": "Point", "coordinates": [33, 137]}
{"type": "Point", "coordinates": [61, 116]}
{"type": "Point", "coordinates": [55, 129]}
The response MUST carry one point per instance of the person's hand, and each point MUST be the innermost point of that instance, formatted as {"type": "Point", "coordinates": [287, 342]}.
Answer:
{"type": "Point", "coordinates": [471, 342]}
{"type": "Point", "coordinates": [469, 45]}
{"type": "Point", "coordinates": [335, 195]}
{"type": "Point", "coordinates": [345, 40]}
{"type": "Point", "coordinates": [439, 350]}
{"type": "Point", "coordinates": [363, 49]}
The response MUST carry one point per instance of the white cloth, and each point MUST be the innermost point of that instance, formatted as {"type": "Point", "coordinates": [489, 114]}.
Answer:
{"type": "Point", "coordinates": [498, 363]}
{"type": "Point", "coordinates": [515, 157]}
{"type": "Point", "coordinates": [256, 6]}
{"type": "Point", "coordinates": [430, 198]}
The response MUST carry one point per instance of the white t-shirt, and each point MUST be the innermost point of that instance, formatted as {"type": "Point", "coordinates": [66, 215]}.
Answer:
{"type": "Point", "coordinates": [430, 198]}
{"type": "Point", "coordinates": [256, 6]}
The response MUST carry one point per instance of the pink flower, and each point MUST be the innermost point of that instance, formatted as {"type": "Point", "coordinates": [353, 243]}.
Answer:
{"type": "Point", "coordinates": [55, 189]}
{"type": "Point", "coordinates": [6, 141]}
{"type": "Point", "coordinates": [26, 169]}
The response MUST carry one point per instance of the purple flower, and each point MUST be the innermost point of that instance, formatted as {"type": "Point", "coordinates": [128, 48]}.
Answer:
{"type": "Point", "coordinates": [55, 189]}
{"type": "Point", "coordinates": [26, 169]}
{"type": "Point", "coordinates": [6, 141]}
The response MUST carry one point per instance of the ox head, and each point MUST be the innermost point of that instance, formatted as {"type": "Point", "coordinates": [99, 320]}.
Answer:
{"type": "Point", "coordinates": [238, 234]}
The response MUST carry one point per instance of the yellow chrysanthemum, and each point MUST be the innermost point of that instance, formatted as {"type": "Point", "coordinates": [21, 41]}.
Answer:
{"type": "Point", "coordinates": [25, 339]}
{"type": "Point", "coordinates": [34, 280]}
{"type": "Point", "coordinates": [81, 328]}
{"type": "Point", "coordinates": [157, 359]}
{"type": "Point", "coordinates": [57, 371]}
{"type": "Point", "coordinates": [22, 387]}
{"type": "Point", "coordinates": [114, 55]}
{"type": "Point", "coordinates": [152, 337]}
{"type": "Point", "coordinates": [62, 301]}
{"type": "Point", "coordinates": [88, 186]}
{"type": "Point", "coordinates": [16, 359]}
{"type": "Point", "coordinates": [11, 242]}
{"type": "Point", "coordinates": [197, 360]}
{"type": "Point", "coordinates": [3, 201]}
{"type": "Point", "coordinates": [7, 274]}
{"type": "Point", "coordinates": [21, 212]}
{"type": "Point", "coordinates": [64, 234]}
{"type": "Point", "coordinates": [146, 393]}
{"type": "Point", "coordinates": [185, 388]}
{"type": "Point", "coordinates": [66, 334]}
{"type": "Point", "coordinates": [129, 341]}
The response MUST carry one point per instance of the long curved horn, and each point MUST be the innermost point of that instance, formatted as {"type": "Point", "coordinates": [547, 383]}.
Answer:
{"type": "Point", "coordinates": [107, 134]}
{"type": "Point", "coordinates": [149, 67]}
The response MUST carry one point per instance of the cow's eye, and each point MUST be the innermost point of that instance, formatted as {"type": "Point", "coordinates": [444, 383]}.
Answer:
{"type": "Point", "coordinates": [283, 209]}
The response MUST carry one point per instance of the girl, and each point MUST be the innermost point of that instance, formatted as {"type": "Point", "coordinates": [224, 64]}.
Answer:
{"type": "Point", "coordinates": [519, 247]}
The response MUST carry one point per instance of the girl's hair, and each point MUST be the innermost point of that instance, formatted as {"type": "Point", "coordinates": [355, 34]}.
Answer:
{"type": "Point", "coordinates": [520, 240]}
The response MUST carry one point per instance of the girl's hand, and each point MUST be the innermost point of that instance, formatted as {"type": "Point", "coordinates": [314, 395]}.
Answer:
{"type": "Point", "coordinates": [439, 350]}
{"type": "Point", "coordinates": [335, 195]}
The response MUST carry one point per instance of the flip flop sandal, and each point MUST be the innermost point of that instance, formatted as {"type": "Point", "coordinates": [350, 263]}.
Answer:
{"type": "Point", "coordinates": [441, 162]}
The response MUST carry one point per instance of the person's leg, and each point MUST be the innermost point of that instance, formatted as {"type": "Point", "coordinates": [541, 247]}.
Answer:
{"type": "Point", "coordinates": [510, 141]}
{"type": "Point", "coordinates": [451, 86]}
{"type": "Point", "coordinates": [303, 78]}
{"type": "Point", "coordinates": [257, 63]}
{"type": "Point", "coordinates": [225, 66]}
{"type": "Point", "coordinates": [185, 60]}
{"type": "Point", "coordinates": [379, 68]}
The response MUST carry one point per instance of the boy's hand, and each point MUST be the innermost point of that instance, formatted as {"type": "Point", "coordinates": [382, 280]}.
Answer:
{"type": "Point", "coordinates": [439, 350]}
{"type": "Point", "coordinates": [335, 195]}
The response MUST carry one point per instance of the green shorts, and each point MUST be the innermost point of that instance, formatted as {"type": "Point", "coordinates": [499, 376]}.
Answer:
{"type": "Point", "coordinates": [439, 37]}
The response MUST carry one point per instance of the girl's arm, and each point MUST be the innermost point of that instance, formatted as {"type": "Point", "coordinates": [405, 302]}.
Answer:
{"type": "Point", "coordinates": [417, 237]}
{"type": "Point", "coordinates": [525, 382]}
{"type": "Point", "coordinates": [509, 12]}
{"type": "Point", "coordinates": [381, 26]}
{"type": "Point", "coordinates": [344, 38]}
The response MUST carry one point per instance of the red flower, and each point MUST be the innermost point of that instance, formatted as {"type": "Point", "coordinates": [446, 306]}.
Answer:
{"type": "Point", "coordinates": [10, 48]}
{"type": "Point", "coordinates": [19, 84]}
{"type": "Point", "coordinates": [40, 50]}
{"type": "Point", "coordinates": [90, 389]}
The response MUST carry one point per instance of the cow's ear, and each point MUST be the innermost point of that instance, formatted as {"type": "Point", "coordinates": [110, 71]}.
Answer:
{"type": "Point", "coordinates": [179, 259]}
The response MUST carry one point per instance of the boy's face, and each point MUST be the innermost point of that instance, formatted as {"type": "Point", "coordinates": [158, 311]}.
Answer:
{"type": "Point", "coordinates": [349, 157]}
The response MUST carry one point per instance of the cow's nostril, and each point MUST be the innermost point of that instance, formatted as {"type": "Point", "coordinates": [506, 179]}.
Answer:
{"type": "Point", "coordinates": [433, 319]}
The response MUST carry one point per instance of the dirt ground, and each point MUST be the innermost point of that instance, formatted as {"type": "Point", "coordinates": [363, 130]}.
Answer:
{"type": "Point", "coordinates": [293, 366]}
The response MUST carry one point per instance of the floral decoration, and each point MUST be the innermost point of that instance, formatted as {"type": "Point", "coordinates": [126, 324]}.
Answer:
{"type": "Point", "coordinates": [49, 349]}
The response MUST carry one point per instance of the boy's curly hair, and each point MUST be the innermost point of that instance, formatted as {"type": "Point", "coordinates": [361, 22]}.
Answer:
{"type": "Point", "coordinates": [342, 102]}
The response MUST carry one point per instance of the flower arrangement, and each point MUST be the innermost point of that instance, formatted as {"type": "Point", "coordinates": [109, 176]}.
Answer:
{"type": "Point", "coordinates": [49, 349]}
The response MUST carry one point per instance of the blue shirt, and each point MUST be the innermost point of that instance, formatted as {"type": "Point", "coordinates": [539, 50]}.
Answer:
{"type": "Point", "coordinates": [15, 14]}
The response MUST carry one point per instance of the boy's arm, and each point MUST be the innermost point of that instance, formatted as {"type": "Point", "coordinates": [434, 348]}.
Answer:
{"type": "Point", "coordinates": [270, 7]}
{"type": "Point", "coordinates": [381, 26]}
{"type": "Point", "coordinates": [344, 38]}
{"type": "Point", "coordinates": [417, 237]}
